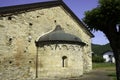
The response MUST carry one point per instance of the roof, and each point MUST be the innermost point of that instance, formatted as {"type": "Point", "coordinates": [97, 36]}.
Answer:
{"type": "Point", "coordinates": [17, 9]}
{"type": "Point", "coordinates": [108, 52]}
{"type": "Point", "coordinates": [58, 35]}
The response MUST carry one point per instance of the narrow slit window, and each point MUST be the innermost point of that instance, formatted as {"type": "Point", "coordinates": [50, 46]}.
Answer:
{"type": "Point", "coordinates": [64, 61]}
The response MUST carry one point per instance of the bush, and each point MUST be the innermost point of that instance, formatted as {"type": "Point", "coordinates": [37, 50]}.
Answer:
{"type": "Point", "coordinates": [98, 59]}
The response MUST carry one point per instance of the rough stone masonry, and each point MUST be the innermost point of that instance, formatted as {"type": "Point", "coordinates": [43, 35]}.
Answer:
{"type": "Point", "coordinates": [22, 59]}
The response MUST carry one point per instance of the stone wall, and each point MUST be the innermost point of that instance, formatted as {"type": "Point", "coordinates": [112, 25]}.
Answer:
{"type": "Point", "coordinates": [18, 34]}
{"type": "Point", "coordinates": [87, 59]}
{"type": "Point", "coordinates": [61, 60]}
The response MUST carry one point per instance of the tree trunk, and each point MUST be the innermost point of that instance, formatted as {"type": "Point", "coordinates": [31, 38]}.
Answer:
{"type": "Point", "coordinates": [117, 58]}
{"type": "Point", "coordinates": [116, 50]}
{"type": "Point", "coordinates": [114, 38]}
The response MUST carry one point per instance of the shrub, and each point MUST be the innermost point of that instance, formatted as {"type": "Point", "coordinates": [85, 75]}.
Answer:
{"type": "Point", "coordinates": [98, 59]}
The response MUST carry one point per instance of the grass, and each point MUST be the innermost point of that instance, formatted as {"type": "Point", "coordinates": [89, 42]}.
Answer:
{"type": "Point", "coordinates": [103, 65]}
{"type": "Point", "coordinates": [113, 75]}
{"type": "Point", "coordinates": [108, 67]}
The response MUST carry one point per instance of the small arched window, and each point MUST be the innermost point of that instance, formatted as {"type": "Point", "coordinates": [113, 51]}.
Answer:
{"type": "Point", "coordinates": [64, 61]}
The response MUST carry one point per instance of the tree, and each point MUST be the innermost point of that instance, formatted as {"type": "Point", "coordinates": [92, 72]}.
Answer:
{"type": "Point", "coordinates": [106, 17]}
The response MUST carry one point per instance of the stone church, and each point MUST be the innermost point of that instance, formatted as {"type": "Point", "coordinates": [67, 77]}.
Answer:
{"type": "Point", "coordinates": [43, 40]}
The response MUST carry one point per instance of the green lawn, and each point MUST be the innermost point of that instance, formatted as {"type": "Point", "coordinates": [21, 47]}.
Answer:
{"type": "Point", "coordinates": [108, 67]}
{"type": "Point", "coordinates": [113, 75]}
{"type": "Point", "coordinates": [103, 65]}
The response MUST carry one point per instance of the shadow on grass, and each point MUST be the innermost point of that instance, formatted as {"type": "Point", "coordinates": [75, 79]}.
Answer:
{"type": "Point", "coordinates": [113, 75]}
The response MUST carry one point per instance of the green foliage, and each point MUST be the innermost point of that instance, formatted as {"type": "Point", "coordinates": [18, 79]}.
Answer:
{"type": "Point", "coordinates": [105, 17]}
{"type": "Point", "coordinates": [100, 49]}
{"type": "Point", "coordinates": [97, 59]}
{"type": "Point", "coordinates": [107, 14]}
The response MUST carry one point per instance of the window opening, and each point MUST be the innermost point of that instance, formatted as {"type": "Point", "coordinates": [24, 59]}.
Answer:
{"type": "Point", "coordinates": [64, 61]}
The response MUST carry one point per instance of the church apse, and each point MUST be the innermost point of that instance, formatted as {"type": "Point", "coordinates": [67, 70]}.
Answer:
{"type": "Point", "coordinates": [59, 53]}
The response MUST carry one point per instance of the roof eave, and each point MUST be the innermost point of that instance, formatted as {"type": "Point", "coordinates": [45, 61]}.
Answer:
{"type": "Point", "coordinates": [17, 9]}
{"type": "Point", "coordinates": [49, 42]}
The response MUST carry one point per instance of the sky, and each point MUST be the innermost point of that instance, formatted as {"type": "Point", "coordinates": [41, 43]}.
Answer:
{"type": "Point", "coordinates": [77, 6]}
